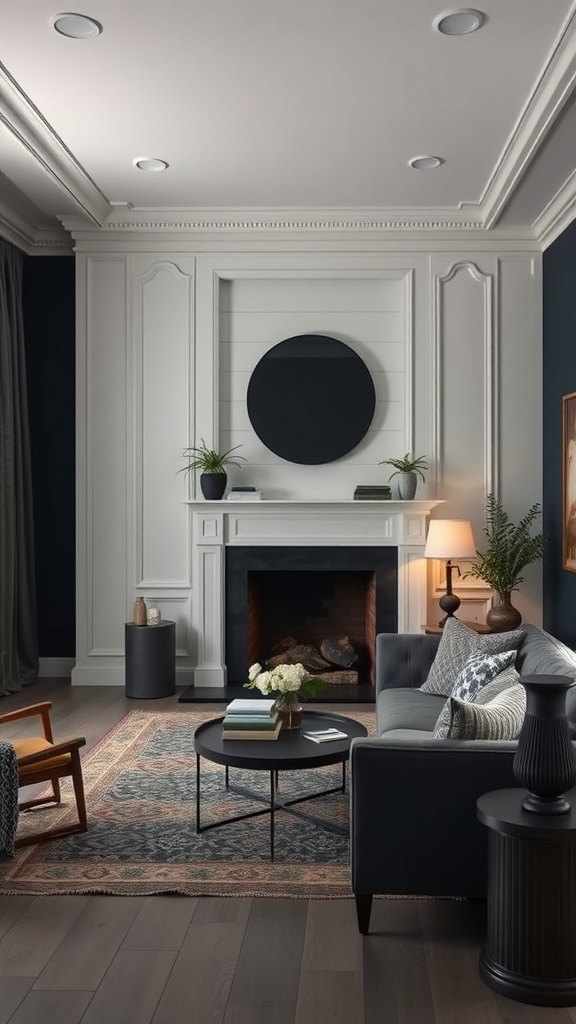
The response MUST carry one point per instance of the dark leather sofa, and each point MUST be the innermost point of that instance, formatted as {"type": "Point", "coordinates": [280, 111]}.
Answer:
{"type": "Point", "coordinates": [413, 820]}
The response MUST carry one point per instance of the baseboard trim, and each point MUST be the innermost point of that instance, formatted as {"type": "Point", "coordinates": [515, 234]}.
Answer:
{"type": "Point", "coordinates": [52, 668]}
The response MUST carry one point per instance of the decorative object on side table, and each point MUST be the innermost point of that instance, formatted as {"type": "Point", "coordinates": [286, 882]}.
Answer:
{"type": "Point", "coordinates": [288, 684]}
{"type": "Point", "coordinates": [140, 612]}
{"type": "Point", "coordinates": [545, 761]}
{"type": "Point", "coordinates": [407, 469]}
{"type": "Point", "coordinates": [510, 548]}
{"type": "Point", "coordinates": [154, 615]}
{"type": "Point", "coordinates": [448, 539]}
{"type": "Point", "coordinates": [212, 465]}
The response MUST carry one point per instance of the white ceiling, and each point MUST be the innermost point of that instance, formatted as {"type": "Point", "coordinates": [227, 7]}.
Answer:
{"type": "Point", "coordinates": [285, 105]}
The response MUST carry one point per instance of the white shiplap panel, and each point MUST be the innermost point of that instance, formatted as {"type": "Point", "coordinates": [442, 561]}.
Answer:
{"type": "Point", "coordinates": [315, 293]}
{"type": "Point", "coordinates": [271, 328]}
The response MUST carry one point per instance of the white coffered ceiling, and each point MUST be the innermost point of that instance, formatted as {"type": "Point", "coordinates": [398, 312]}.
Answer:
{"type": "Point", "coordinates": [305, 106]}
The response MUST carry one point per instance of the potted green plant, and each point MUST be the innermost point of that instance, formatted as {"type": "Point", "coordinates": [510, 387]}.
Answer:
{"type": "Point", "coordinates": [510, 547]}
{"type": "Point", "coordinates": [407, 469]}
{"type": "Point", "coordinates": [212, 466]}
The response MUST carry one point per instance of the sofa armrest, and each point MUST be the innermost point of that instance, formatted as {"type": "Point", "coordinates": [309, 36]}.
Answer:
{"type": "Point", "coordinates": [403, 659]}
{"type": "Point", "coordinates": [413, 824]}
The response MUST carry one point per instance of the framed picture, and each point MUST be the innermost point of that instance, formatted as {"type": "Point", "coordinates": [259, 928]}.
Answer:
{"type": "Point", "coordinates": [569, 482]}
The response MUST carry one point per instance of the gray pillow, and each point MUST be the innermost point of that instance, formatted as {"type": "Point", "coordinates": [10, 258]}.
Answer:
{"type": "Point", "coordinates": [501, 719]}
{"type": "Point", "coordinates": [457, 644]}
{"type": "Point", "coordinates": [509, 677]}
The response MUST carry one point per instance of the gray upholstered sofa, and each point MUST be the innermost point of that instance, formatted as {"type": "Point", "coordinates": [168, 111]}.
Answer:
{"type": "Point", "coordinates": [413, 798]}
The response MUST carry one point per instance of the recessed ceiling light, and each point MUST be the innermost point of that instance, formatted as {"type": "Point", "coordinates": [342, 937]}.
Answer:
{"type": "Point", "coordinates": [459, 23]}
{"type": "Point", "coordinates": [425, 163]}
{"type": "Point", "coordinates": [149, 163]}
{"type": "Point", "coordinates": [76, 26]}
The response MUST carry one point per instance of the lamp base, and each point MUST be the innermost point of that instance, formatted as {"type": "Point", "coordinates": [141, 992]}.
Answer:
{"type": "Point", "coordinates": [449, 603]}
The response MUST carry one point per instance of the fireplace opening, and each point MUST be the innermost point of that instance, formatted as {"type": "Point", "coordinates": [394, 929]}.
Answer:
{"type": "Point", "coordinates": [309, 595]}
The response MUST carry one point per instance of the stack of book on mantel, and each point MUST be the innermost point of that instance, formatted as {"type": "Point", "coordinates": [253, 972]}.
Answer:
{"type": "Point", "coordinates": [251, 719]}
{"type": "Point", "coordinates": [372, 492]}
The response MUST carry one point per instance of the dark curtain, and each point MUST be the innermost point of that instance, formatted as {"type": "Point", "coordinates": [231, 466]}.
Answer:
{"type": "Point", "coordinates": [18, 624]}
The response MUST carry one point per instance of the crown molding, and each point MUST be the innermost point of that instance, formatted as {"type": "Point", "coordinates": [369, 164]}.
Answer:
{"type": "Point", "coordinates": [198, 220]}
{"type": "Point", "coordinates": [549, 94]}
{"type": "Point", "coordinates": [33, 239]}
{"type": "Point", "coordinates": [25, 122]}
{"type": "Point", "coordinates": [558, 214]}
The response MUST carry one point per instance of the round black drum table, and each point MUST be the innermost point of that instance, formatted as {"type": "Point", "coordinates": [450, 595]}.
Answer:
{"type": "Point", "coordinates": [290, 752]}
{"type": "Point", "coordinates": [530, 951]}
{"type": "Point", "coordinates": [150, 659]}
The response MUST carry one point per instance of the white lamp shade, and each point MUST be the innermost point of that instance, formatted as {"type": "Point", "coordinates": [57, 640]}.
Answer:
{"type": "Point", "coordinates": [450, 538]}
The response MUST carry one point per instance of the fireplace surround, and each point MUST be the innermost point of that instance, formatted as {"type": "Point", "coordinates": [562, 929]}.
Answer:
{"type": "Point", "coordinates": [219, 526]}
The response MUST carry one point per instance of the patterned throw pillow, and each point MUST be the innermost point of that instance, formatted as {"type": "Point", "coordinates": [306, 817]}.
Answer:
{"type": "Point", "coordinates": [457, 644]}
{"type": "Point", "coordinates": [501, 719]}
{"type": "Point", "coordinates": [508, 677]}
{"type": "Point", "coordinates": [479, 670]}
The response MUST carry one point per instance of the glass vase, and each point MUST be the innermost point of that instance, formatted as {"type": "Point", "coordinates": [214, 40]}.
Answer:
{"type": "Point", "coordinates": [289, 709]}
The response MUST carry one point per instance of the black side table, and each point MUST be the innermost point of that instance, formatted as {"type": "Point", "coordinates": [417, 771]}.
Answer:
{"type": "Point", "coordinates": [150, 659]}
{"type": "Point", "coordinates": [530, 951]}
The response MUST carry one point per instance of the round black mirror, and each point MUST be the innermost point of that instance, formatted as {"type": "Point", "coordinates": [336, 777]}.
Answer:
{"type": "Point", "coordinates": [311, 399]}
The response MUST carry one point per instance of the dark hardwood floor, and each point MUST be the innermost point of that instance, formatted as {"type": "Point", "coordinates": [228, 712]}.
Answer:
{"type": "Point", "coordinates": [181, 960]}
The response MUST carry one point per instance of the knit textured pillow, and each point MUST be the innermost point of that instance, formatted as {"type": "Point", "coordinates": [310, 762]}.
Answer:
{"type": "Point", "coordinates": [457, 644]}
{"type": "Point", "coordinates": [508, 677]}
{"type": "Point", "coordinates": [501, 719]}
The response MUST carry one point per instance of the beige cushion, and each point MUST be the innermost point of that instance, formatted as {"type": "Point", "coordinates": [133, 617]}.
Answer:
{"type": "Point", "coordinates": [501, 719]}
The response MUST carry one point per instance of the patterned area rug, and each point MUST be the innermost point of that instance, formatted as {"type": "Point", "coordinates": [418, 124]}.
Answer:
{"type": "Point", "coordinates": [140, 785]}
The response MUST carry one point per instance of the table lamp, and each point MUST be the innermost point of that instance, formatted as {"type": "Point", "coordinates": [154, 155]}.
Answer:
{"type": "Point", "coordinates": [449, 539]}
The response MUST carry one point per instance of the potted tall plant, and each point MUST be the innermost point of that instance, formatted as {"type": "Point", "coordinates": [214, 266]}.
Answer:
{"type": "Point", "coordinates": [510, 547]}
{"type": "Point", "coordinates": [407, 469]}
{"type": "Point", "coordinates": [212, 465]}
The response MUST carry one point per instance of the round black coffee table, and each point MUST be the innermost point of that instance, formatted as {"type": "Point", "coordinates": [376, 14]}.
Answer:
{"type": "Point", "coordinates": [290, 752]}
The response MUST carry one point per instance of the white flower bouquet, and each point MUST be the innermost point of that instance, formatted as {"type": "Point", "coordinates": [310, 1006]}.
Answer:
{"type": "Point", "coordinates": [283, 679]}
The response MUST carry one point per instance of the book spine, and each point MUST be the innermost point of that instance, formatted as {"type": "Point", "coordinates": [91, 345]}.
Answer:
{"type": "Point", "coordinates": [248, 724]}
{"type": "Point", "coordinates": [248, 734]}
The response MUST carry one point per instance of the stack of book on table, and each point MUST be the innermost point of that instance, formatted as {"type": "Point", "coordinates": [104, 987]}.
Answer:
{"type": "Point", "coordinates": [251, 719]}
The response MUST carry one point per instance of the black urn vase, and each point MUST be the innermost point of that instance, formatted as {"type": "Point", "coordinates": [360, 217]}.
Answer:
{"type": "Point", "coordinates": [213, 485]}
{"type": "Point", "coordinates": [545, 761]}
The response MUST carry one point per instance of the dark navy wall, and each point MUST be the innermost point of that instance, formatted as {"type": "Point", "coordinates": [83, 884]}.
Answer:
{"type": "Point", "coordinates": [559, 369]}
{"type": "Point", "coordinates": [49, 327]}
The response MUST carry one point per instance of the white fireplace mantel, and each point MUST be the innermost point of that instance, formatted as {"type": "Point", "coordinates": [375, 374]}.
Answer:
{"type": "Point", "coordinates": [218, 524]}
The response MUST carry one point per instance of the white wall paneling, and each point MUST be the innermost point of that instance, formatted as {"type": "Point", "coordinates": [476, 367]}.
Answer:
{"type": "Point", "coordinates": [169, 332]}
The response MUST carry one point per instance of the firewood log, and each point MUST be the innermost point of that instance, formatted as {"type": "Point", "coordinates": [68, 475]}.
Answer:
{"type": "Point", "coordinates": [305, 654]}
{"type": "Point", "coordinates": [348, 677]}
{"type": "Point", "coordinates": [339, 651]}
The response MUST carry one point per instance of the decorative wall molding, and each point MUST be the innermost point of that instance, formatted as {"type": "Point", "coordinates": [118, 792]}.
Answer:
{"type": "Point", "coordinates": [490, 369]}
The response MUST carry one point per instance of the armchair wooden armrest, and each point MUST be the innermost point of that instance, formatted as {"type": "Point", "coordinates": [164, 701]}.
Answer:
{"type": "Point", "coordinates": [42, 710]}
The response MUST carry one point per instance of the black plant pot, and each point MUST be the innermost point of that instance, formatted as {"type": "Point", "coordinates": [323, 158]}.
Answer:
{"type": "Point", "coordinates": [213, 485]}
{"type": "Point", "coordinates": [545, 761]}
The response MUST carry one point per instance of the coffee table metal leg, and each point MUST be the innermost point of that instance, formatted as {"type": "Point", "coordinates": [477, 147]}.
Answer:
{"type": "Point", "coordinates": [197, 794]}
{"type": "Point", "coordinates": [272, 806]}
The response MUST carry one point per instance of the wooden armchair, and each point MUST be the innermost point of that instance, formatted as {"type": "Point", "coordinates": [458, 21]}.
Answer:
{"type": "Point", "coordinates": [41, 760]}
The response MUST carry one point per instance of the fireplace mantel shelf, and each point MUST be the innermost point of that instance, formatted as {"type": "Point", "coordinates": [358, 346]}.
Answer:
{"type": "Point", "coordinates": [388, 505]}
